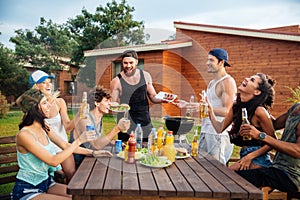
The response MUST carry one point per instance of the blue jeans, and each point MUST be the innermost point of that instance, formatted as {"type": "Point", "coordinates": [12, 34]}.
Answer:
{"type": "Point", "coordinates": [263, 160]}
{"type": "Point", "coordinates": [23, 190]}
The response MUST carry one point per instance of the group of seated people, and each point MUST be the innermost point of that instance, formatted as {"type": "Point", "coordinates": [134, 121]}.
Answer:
{"type": "Point", "coordinates": [43, 146]}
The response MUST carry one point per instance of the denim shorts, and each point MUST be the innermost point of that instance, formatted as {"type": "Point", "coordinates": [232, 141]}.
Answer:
{"type": "Point", "coordinates": [23, 190]}
{"type": "Point", "coordinates": [263, 160]}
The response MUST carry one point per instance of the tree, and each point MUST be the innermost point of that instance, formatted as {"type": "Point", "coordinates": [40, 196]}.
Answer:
{"type": "Point", "coordinates": [13, 78]}
{"type": "Point", "coordinates": [110, 26]}
{"type": "Point", "coordinates": [44, 47]}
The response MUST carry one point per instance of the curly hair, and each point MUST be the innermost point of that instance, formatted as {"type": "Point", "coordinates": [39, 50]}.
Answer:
{"type": "Point", "coordinates": [96, 95]}
{"type": "Point", "coordinates": [264, 99]}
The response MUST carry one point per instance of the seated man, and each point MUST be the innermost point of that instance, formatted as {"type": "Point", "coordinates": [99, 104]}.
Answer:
{"type": "Point", "coordinates": [284, 173]}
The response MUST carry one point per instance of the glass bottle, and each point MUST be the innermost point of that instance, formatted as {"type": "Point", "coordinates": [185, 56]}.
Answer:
{"type": "Point", "coordinates": [84, 107]}
{"type": "Point", "coordinates": [245, 121]}
{"type": "Point", "coordinates": [204, 106]}
{"type": "Point", "coordinates": [194, 151]}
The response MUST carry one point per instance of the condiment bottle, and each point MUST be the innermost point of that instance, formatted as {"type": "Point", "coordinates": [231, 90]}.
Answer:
{"type": "Point", "coordinates": [126, 152]}
{"type": "Point", "coordinates": [131, 150]}
{"type": "Point", "coordinates": [169, 148]}
{"type": "Point", "coordinates": [160, 139]}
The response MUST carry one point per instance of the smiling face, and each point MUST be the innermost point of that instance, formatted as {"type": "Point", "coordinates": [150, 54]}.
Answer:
{"type": "Point", "coordinates": [45, 87]}
{"type": "Point", "coordinates": [129, 65]}
{"type": "Point", "coordinates": [249, 88]}
{"type": "Point", "coordinates": [44, 106]}
{"type": "Point", "coordinates": [103, 106]}
{"type": "Point", "coordinates": [213, 64]}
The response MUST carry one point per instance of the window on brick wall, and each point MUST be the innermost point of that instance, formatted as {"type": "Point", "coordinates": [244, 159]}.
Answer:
{"type": "Point", "coordinates": [70, 87]}
{"type": "Point", "coordinates": [116, 67]}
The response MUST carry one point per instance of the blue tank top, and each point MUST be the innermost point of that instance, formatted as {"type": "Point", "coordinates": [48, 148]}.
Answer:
{"type": "Point", "coordinates": [32, 169]}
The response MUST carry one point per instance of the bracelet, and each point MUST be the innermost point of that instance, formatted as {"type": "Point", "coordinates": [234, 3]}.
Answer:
{"type": "Point", "coordinates": [93, 152]}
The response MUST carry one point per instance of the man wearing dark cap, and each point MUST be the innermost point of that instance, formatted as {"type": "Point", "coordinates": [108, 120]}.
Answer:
{"type": "Point", "coordinates": [221, 92]}
{"type": "Point", "coordinates": [134, 86]}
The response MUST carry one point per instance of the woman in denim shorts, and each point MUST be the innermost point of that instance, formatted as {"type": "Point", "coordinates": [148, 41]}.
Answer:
{"type": "Point", "coordinates": [36, 155]}
{"type": "Point", "coordinates": [256, 94]}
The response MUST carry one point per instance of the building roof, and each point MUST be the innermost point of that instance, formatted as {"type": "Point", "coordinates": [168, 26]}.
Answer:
{"type": "Point", "coordinates": [165, 45]}
{"type": "Point", "coordinates": [275, 34]}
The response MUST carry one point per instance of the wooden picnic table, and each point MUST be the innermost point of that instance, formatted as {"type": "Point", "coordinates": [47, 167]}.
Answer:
{"type": "Point", "coordinates": [201, 177]}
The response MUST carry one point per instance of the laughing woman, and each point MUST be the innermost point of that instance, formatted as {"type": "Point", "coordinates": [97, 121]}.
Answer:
{"type": "Point", "coordinates": [256, 94]}
{"type": "Point", "coordinates": [36, 154]}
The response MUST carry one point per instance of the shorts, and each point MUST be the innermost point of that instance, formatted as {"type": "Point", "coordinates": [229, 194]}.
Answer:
{"type": "Point", "coordinates": [23, 190]}
{"type": "Point", "coordinates": [272, 177]}
{"type": "Point", "coordinates": [216, 145]}
{"type": "Point", "coordinates": [263, 160]}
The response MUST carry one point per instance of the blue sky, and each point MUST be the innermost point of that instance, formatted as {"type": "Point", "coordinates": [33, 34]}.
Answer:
{"type": "Point", "coordinates": [158, 15]}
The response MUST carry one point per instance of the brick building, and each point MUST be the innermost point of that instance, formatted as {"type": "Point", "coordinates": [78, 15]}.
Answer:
{"type": "Point", "coordinates": [179, 66]}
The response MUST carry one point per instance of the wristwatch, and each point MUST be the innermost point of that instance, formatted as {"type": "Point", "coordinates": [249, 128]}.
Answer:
{"type": "Point", "coordinates": [262, 136]}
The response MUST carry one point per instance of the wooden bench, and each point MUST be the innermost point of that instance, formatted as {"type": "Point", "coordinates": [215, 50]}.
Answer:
{"type": "Point", "coordinates": [9, 165]}
{"type": "Point", "coordinates": [8, 162]}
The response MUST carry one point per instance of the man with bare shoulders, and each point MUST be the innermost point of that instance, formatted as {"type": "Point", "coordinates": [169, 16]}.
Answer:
{"type": "Point", "coordinates": [134, 86]}
{"type": "Point", "coordinates": [221, 92]}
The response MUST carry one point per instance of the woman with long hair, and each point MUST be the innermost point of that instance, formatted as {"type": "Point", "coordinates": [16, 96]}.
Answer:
{"type": "Point", "coordinates": [256, 94]}
{"type": "Point", "coordinates": [36, 154]}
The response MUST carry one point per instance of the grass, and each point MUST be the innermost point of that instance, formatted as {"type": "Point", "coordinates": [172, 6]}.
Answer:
{"type": "Point", "coordinates": [9, 127]}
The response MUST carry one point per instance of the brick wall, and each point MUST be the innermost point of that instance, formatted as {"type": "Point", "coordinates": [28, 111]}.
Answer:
{"type": "Point", "coordinates": [247, 56]}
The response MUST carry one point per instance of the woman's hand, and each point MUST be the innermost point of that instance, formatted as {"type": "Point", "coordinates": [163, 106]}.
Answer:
{"type": "Point", "coordinates": [102, 153]}
{"type": "Point", "coordinates": [180, 103]}
{"type": "Point", "coordinates": [245, 163]}
{"type": "Point", "coordinates": [249, 130]}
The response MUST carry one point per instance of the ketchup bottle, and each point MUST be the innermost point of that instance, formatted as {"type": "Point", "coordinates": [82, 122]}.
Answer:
{"type": "Point", "coordinates": [131, 150]}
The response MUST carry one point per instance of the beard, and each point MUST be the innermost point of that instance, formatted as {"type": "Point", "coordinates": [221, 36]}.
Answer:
{"type": "Point", "coordinates": [128, 74]}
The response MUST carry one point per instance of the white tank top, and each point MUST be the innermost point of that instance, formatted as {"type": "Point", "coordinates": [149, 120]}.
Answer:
{"type": "Point", "coordinates": [215, 102]}
{"type": "Point", "coordinates": [57, 126]}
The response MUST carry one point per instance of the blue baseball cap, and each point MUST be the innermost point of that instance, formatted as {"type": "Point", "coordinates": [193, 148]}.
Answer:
{"type": "Point", "coordinates": [38, 77]}
{"type": "Point", "coordinates": [220, 54]}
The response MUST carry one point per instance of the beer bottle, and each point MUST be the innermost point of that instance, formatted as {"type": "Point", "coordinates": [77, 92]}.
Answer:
{"type": "Point", "coordinates": [245, 121]}
{"type": "Point", "coordinates": [194, 151]}
{"type": "Point", "coordinates": [203, 106]}
{"type": "Point", "coordinates": [84, 107]}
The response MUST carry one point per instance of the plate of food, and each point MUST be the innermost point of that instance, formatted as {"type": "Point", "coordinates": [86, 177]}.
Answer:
{"type": "Point", "coordinates": [182, 153]}
{"type": "Point", "coordinates": [155, 161]}
{"type": "Point", "coordinates": [166, 96]}
{"type": "Point", "coordinates": [137, 155]}
{"type": "Point", "coordinates": [116, 107]}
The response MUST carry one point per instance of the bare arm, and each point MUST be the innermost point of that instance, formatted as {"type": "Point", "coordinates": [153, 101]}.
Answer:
{"type": "Point", "coordinates": [27, 142]}
{"type": "Point", "coordinates": [68, 124]}
{"type": "Point", "coordinates": [150, 89]}
{"type": "Point", "coordinates": [220, 126]}
{"type": "Point", "coordinates": [226, 90]}
{"type": "Point", "coordinates": [115, 88]}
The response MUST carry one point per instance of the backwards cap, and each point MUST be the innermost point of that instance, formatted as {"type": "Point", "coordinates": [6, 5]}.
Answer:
{"type": "Point", "coordinates": [220, 54]}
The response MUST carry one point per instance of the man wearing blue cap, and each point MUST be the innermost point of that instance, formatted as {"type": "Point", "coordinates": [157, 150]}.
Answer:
{"type": "Point", "coordinates": [221, 92]}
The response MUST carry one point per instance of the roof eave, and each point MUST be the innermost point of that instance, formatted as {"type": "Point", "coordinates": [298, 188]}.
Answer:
{"type": "Point", "coordinates": [138, 48]}
{"type": "Point", "coordinates": [241, 32]}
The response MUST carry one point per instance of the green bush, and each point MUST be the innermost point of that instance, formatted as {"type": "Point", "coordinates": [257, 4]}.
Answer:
{"type": "Point", "coordinates": [295, 95]}
{"type": "Point", "coordinates": [4, 106]}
